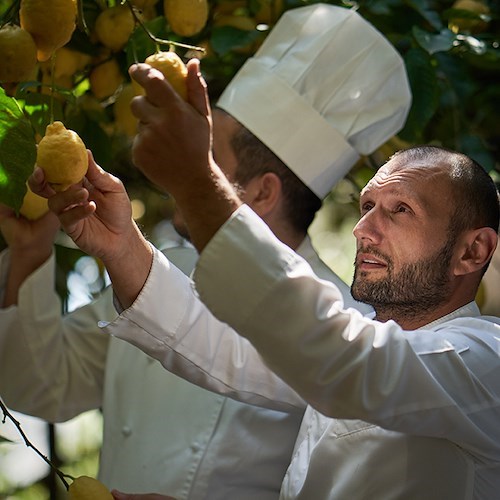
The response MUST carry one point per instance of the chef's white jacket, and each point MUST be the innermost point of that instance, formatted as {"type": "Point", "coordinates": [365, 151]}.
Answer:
{"type": "Point", "coordinates": [161, 433]}
{"type": "Point", "coordinates": [391, 414]}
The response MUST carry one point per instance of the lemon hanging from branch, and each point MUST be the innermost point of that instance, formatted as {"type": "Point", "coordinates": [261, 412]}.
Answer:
{"type": "Point", "coordinates": [173, 69]}
{"type": "Point", "coordinates": [63, 156]}
{"type": "Point", "coordinates": [186, 17]}
{"type": "Point", "coordinates": [50, 23]}
{"type": "Point", "coordinates": [17, 53]}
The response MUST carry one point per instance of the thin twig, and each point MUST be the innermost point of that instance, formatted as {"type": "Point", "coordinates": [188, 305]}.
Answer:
{"type": "Point", "coordinates": [7, 414]}
{"type": "Point", "coordinates": [160, 41]}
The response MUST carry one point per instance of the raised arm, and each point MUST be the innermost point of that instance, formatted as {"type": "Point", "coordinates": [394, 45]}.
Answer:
{"type": "Point", "coordinates": [98, 217]}
{"type": "Point", "coordinates": [174, 150]}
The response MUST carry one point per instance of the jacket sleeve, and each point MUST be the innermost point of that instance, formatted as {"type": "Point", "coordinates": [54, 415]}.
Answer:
{"type": "Point", "coordinates": [170, 323]}
{"type": "Point", "coordinates": [51, 366]}
{"type": "Point", "coordinates": [442, 382]}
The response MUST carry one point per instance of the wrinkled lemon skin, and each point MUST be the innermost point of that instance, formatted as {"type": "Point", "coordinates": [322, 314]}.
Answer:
{"type": "Point", "coordinates": [33, 206]}
{"type": "Point", "coordinates": [173, 69]}
{"type": "Point", "coordinates": [63, 156]}
{"type": "Point", "coordinates": [17, 54]}
{"type": "Point", "coordinates": [88, 488]}
{"type": "Point", "coordinates": [186, 17]}
{"type": "Point", "coordinates": [50, 23]}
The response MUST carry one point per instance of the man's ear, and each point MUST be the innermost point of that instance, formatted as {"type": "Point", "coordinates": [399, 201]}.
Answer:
{"type": "Point", "coordinates": [475, 248]}
{"type": "Point", "coordinates": [264, 193]}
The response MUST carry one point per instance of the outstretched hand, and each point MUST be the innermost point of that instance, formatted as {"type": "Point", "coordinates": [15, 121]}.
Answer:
{"type": "Point", "coordinates": [97, 215]}
{"type": "Point", "coordinates": [173, 148]}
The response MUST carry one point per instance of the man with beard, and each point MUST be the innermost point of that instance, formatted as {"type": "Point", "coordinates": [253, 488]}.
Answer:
{"type": "Point", "coordinates": [160, 432]}
{"type": "Point", "coordinates": [405, 405]}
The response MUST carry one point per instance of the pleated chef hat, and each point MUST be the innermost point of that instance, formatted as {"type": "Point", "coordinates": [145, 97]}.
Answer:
{"type": "Point", "coordinates": [324, 88]}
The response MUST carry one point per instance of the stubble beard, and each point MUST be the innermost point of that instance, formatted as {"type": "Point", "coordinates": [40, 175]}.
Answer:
{"type": "Point", "coordinates": [413, 292]}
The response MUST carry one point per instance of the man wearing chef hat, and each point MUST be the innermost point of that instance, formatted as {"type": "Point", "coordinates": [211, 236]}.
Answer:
{"type": "Point", "coordinates": [324, 88]}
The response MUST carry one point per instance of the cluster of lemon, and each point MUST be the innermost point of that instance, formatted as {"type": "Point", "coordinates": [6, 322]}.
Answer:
{"type": "Point", "coordinates": [35, 50]}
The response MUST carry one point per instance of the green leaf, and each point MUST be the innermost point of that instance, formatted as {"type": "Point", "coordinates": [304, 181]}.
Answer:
{"type": "Point", "coordinates": [432, 43]}
{"type": "Point", "coordinates": [227, 38]}
{"type": "Point", "coordinates": [17, 152]}
{"type": "Point", "coordinates": [425, 92]}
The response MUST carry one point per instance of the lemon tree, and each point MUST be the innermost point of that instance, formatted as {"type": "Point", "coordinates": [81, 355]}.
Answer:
{"type": "Point", "coordinates": [451, 51]}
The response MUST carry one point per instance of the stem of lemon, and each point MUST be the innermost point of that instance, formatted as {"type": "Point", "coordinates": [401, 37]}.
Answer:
{"type": "Point", "coordinates": [52, 86]}
{"type": "Point", "coordinates": [7, 414]}
{"type": "Point", "coordinates": [159, 41]}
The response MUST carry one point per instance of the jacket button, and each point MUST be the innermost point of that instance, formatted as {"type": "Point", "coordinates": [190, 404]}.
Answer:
{"type": "Point", "coordinates": [126, 431]}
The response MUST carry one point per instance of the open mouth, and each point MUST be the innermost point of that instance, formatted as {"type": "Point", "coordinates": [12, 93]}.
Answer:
{"type": "Point", "coordinates": [366, 262]}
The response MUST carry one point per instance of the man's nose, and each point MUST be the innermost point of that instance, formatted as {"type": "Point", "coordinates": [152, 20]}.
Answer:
{"type": "Point", "coordinates": [368, 227]}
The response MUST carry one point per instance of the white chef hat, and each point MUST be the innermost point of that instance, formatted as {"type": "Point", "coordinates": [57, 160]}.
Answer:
{"type": "Point", "coordinates": [324, 88]}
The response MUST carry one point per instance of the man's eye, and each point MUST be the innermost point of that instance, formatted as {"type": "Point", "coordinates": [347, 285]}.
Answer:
{"type": "Point", "coordinates": [402, 209]}
{"type": "Point", "coordinates": [365, 207]}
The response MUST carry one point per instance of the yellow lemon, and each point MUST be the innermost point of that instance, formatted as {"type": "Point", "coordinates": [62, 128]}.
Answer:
{"type": "Point", "coordinates": [67, 62]}
{"type": "Point", "coordinates": [105, 79]}
{"type": "Point", "coordinates": [114, 26]}
{"type": "Point", "coordinates": [33, 206]}
{"type": "Point", "coordinates": [17, 53]}
{"type": "Point", "coordinates": [469, 25]}
{"type": "Point", "coordinates": [186, 17]}
{"type": "Point", "coordinates": [125, 120]}
{"type": "Point", "coordinates": [88, 488]}
{"type": "Point", "coordinates": [63, 156]}
{"type": "Point", "coordinates": [51, 24]}
{"type": "Point", "coordinates": [172, 67]}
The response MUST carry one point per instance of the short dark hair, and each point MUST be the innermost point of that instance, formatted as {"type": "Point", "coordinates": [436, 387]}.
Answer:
{"type": "Point", "coordinates": [477, 198]}
{"type": "Point", "coordinates": [255, 159]}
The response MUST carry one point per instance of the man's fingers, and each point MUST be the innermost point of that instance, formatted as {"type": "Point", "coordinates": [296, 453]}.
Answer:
{"type": "Point", "coordinates": [158, 90]}
{"type": "Point", "coordinates": [65, 200]}
{"type": "Point", "coordinates": [197, 88]}
{"type": "Point", "coordinates": [39, 185]}
{"type": "Point", "coordinates": [97, 177]}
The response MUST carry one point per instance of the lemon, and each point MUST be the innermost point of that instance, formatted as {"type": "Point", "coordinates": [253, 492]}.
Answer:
{"type": "Point", "coordinates": [17, 53]}
{"type": "Point", "coordinates": [114, 26]}
{"type": "Point", "coordinates": [469, 25]}
{"type": "Point", "coordinates": [51, 24]}
{"type": "Point", "coordinates": [105, 79]}
{"type": "Point", "coordinates": [172, 67]}
{"type": "Point", "coordinates": [63, 156]}
{"type": "Point", "coordinates": [88, 488]}
{"type": "Point", "coordinates": [125, 120]}
{"type": "Point", "coordinates": [67, 62]}
{"type": "Point", "coordinates": [33, 206]}
{"type": "Point", "coordinates": [186, 17]}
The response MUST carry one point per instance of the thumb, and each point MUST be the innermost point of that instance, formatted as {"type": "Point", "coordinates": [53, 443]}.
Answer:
{"type": "Point", "coordinates": [197, 88]}
{"type": "Point", "coordinates": [98, 177]}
